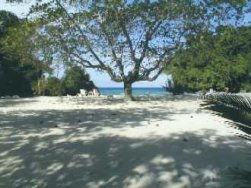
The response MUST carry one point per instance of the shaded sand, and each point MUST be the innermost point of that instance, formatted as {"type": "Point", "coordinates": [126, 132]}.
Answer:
{"type": "Point", "coordinates": [94, 142]}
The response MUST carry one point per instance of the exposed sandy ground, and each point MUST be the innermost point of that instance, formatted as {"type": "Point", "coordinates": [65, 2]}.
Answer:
{"type": "Point", "coordinates": [94, 142]}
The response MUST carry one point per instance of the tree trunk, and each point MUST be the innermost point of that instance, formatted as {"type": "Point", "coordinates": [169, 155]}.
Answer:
{"type": "Point", "coordinates": [128, 91]}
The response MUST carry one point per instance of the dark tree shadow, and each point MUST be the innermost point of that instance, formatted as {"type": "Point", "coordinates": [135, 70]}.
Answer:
{"type": "Point", "coordinates": [239, 175]}
{"type": "Point", "coordinates": [91, 118]}
{"type": "Point", "coordinates": [67, 158]}
{"type": "Point", "coordinates": [69, 149]}
{"type": "Point", "coordinates": [15, 102]}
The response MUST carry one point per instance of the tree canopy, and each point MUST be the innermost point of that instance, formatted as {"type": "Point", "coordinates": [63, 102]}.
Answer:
{"type": "Point", "coordinates": [129, 40]}
{"type": "Point", "coordinates": [7, 19]}
{"type": "Point", "coordinates": [15, 78]}
{"type": "Point", "coordinates": [215, 60]}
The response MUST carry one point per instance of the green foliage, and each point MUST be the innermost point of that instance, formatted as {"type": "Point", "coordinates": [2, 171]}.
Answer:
{"type": "Point", "coordinates": [130, 41]}
{"type": "Point", "coordinates": [246, 86]}
{"type": "Point", "coordinates": [15, 78]}
{"type": "Point", "coordinates": [214, 60]}
{"type": "Point", "coordinates": [23, 61]}
{"type": "Point", "coordinates": [53, 87]}
{"type": "Point", "coordinates": [7, 20]}
{"type": "Point", "coordinates": [29, 50]}
{"type": "Point", "coordinates": [174, 88]}
{"type": "Point", "coordinates": [28, 46]}
{"type": "Point", "coordinates": [75, 79]}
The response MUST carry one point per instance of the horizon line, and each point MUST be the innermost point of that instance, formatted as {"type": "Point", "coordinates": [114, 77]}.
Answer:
{"type": "Point", "coordinates": [132, 87]}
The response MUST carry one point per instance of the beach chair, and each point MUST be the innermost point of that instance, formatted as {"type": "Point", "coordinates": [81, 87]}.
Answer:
{"type": "Point", "coordinates": [96, 92]}
{"type": "Point", "coordinates": [83, 92]}
{"type": "Point", "coordinates": [90, 93]}
{"type": "Point", "coordinates": [110, 97]}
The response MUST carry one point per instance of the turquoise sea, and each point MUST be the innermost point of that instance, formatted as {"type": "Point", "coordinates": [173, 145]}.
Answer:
{"type": "Point", "coordinates": [136, 91]}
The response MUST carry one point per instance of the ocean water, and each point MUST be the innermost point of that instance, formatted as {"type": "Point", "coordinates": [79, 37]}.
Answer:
{"type": "Point", "coordinates": [135, 91]}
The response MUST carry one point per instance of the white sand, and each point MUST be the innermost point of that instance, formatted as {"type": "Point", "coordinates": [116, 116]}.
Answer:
{"type": "Point", "coordinates": [95, 142]}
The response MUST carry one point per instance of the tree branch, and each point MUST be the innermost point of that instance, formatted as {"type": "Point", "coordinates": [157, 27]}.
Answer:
{"type": "Point", "coordinates": [111, 45]}
{"type": "Point", "coordinates": [148, 37]}
{"type": "Point", "coordinates": [128, 39]}
{"type": "Point", "coordinates": [87, 42]}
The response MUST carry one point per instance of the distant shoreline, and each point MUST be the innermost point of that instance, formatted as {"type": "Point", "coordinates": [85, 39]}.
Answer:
{"type": "Point", "coordinates": [135, 90]}
{"type": "Point", "coordinates": [132, 87]}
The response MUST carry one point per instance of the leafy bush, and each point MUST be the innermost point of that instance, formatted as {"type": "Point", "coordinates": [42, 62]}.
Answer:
{"type": "Point", "coordinates": [54, 87]}
{"type": "Point", "coordinates": [174, 88]}
{"type": "Point", "coordinates": [75, 79]}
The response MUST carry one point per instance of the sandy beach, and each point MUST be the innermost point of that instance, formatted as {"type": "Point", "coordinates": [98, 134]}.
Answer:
{"type": "Point", "coordinates": [97, 142]}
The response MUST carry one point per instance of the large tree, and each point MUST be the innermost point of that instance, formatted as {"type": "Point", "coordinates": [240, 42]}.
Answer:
{"type": "Point", "coordinates": [129, 40]}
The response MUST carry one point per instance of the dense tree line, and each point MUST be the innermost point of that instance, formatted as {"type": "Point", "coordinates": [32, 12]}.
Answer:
{"type": "Point", "coordinates": [15, 77]}
{"type": "Point", "coordinates": [134, 41]}
{"type": "Point", "coordinates": [215, 60]}
{"type": "Point", "coordinates": [25, 67]}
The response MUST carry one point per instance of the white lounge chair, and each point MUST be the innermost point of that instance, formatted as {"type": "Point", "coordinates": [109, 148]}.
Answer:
{"type": "Point", "coordinates": [83, 92]}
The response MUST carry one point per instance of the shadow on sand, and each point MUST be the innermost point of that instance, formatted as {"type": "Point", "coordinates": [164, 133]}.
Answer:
{"type": "Point", "coordinates": [68, 149]}
{"type": "Point", "coordinates": [15, 102]}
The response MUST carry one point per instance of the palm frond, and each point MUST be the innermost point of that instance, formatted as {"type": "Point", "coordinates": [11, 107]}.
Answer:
{"type": "Point", "coordinates": [237, 101]}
